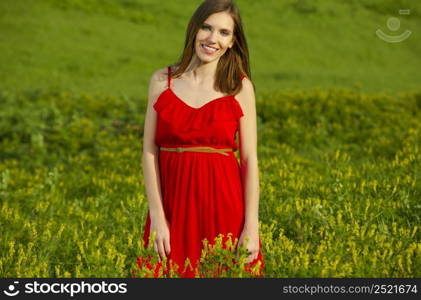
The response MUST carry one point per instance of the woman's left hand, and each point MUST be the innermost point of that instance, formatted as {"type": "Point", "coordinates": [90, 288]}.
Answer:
{"type": "Point", "coordinates": [253, 242]}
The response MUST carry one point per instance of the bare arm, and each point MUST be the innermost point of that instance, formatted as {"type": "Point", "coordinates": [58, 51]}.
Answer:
{"type": "Point", "coordinates": [150, 154]}
{"type": "Point", "coordinates": [248, 154]}
{"type": "Point", "coordinates": [151, 172]}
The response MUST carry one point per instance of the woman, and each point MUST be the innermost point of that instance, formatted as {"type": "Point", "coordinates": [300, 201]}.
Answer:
{"type": "Point", "coordinates": [195, 187]}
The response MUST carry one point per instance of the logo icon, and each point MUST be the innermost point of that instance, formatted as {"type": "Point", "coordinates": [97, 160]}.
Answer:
{"type": "Point", "coordinates": [394, 24]}
{"type": "Point", "coordinates": [11, 290]}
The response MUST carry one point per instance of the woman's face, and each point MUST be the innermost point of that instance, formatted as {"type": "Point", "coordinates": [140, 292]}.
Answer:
{"type": "Point", "coordinates": [214, 37]}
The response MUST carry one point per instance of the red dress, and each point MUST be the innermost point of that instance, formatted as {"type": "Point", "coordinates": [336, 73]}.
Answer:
{"type": "Point", "coordinates": [202, 192]}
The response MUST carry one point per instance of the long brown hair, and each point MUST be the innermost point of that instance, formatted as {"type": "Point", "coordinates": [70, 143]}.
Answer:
{"type": "Point", "coordinates": [234, 62]}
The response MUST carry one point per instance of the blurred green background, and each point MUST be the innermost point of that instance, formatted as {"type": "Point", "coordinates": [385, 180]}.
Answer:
{"type": "Point", "coordinates": [113, 46]}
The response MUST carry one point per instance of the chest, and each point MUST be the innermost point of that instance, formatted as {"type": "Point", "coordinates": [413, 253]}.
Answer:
{"type": "Point", "coordinates": [195, 96]}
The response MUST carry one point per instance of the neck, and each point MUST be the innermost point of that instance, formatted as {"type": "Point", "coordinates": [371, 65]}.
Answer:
{"type": "Point", "coordinates": [201, 72]}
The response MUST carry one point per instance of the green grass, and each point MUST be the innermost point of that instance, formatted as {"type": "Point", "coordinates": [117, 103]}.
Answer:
{"type": "Point", "coordinates": [114, 46]}
{"type": "Point", "coordinates": [339, 177]}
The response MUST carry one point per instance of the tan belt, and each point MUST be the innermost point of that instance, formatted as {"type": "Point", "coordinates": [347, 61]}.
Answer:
{"type": "Point", "coordinates": [198, 149]}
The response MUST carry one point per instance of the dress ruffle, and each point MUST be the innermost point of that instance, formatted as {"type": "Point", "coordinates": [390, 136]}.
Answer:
{"type": "Point", "coordinates": [185, 118]}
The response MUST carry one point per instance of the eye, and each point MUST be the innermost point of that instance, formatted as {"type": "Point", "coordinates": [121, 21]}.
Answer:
{"type": "Point", "coordinates": [225, 33]}
{"type": "Point", "coordinates": [205, 27]}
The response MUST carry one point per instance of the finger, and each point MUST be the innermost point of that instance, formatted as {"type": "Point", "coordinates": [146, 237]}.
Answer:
{"type": "Point", "coordinates": [252, 256]}
{"type": "Point", "coordinates": [161, 249]}
{"type": "Point", "coordinates": [249, 259]}
{"type": "Point", "coordinates": [240, 246]}
{"type": "Point", "coordinates": [255, 256]}
{"type": "Point", "coordinates": [245, 242]}
{"type": "Point", "coordinates": [167, 246]}
{"type": "Point", "coordinates": [155, 248]}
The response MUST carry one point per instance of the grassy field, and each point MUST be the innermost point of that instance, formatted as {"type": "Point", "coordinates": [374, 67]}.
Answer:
{"type": "Point", "coordinates": [339, 131]}
{"type": "Point", "coordinates": [340, 185]}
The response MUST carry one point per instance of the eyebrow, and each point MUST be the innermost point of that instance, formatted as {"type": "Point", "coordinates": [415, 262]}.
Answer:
{"type": "Point", "coordinates": [221, 28]}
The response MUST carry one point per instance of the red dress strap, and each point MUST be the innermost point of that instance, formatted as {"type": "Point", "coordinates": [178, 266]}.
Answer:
{"type": "Point", "coordinates": [242, 76]}
{"type": "Point", "coordinates": [169, 76]}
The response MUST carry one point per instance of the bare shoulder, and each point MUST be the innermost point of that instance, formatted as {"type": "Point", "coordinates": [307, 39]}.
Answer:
{"type": "Point", "coordinates": [247, 85]}
{"type": "Point", "coordinates": [158, 83]}
{"type": "Point", "coordinates": [159, 76]}
{"type": "Point", "coordinates": [246, 95]}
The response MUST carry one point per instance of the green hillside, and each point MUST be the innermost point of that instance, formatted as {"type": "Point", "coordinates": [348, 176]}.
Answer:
{"type": "Point", "coordinates": [113, 46]}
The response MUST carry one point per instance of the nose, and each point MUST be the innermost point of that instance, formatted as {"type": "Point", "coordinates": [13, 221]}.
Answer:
{"type": "Point", "coordinates": [212, 37]}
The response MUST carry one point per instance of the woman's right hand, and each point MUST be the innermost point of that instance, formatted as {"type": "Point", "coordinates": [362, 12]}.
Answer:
{"type": "Point", "coordinates": [161, 243]}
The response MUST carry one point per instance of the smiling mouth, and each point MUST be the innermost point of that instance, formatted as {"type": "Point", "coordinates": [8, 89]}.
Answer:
{"type": "Point", "coordinates": [208, 50]}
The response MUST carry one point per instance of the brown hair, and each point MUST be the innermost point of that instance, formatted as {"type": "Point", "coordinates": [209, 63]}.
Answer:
{"type": "Point", "coordinates": [234, 62]}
